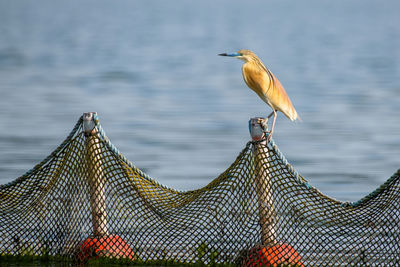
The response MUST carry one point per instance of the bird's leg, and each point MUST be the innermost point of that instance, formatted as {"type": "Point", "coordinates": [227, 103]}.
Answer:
{"type": "Point", "coordinates": [264, 124]}
{"type": "Point", "coordinates": [273, 126]}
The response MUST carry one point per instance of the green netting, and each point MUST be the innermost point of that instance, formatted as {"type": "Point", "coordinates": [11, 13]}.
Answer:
{"type": "Point", "coordinates": [86, 201]}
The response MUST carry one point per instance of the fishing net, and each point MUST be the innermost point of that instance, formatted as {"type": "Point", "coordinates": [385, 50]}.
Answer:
{"type": "Point", "coordinates": [87, 201]}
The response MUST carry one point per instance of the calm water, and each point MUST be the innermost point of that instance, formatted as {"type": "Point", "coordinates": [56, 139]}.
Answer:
{"type": "Point", "coordinates": [178, 111]}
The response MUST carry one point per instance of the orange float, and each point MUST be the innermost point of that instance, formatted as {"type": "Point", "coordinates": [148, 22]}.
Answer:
{"type": "Point", "coordinates": [281, 254]}
{"type": "Point", "coordinates": [112, 246]}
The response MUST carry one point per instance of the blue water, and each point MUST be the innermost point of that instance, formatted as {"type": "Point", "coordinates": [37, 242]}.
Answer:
{"type": "Point", "coordinates": [178, 111]}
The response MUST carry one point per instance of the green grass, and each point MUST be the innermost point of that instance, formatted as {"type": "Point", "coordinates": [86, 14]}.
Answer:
{"type": "Point", "coordinates": [29, 260]}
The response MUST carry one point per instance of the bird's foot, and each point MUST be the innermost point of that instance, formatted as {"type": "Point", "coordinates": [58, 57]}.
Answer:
{"type": "Point", "coordinates": [264, 125]}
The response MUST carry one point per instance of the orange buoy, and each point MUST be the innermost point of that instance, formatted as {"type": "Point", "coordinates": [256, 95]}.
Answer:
{"type": "Point", "coordinates": [112, 246]}
{"type": "Point", "coordinates": [281, 254]}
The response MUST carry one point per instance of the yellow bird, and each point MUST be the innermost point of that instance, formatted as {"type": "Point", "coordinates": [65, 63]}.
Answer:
{"type": "Point", "coordinates": [261, 80]}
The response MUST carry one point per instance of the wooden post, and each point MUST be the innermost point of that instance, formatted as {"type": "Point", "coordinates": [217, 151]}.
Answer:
{"type": "Point", "coordinates": [96, 179]}
{"type": "Point", "coordinates": [263, 183]}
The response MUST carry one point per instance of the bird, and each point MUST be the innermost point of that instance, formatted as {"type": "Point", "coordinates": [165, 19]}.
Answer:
{"type": "Point", "coordinates": [261, 80]}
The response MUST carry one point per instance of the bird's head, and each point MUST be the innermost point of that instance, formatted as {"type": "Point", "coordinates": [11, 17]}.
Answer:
{"type": "Point", "coordinates": [244, 54]}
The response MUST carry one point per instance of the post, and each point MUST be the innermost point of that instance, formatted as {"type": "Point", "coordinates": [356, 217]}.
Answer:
{"type": "Point", "coordinates": [96, 178]}
{"type": "Point", "coordinates": [263, 183]}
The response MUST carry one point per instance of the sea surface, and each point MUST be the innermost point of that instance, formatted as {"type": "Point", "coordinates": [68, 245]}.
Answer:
{"type": "Point", "coordinates": [180, 112]}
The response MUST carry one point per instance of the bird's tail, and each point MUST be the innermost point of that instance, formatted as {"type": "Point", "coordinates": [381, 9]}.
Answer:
{"type": "Point", "coordinates": [296, 117]}
{"type": "Point", "coordinates": [291, 114]}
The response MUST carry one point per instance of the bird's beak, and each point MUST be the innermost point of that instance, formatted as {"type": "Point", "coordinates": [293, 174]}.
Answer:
{"type": "Point", "coordinates": [229, 55]}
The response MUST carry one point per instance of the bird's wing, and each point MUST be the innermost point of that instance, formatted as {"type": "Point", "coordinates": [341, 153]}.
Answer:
{"type": "Point", "coordinates": [281, 101]}
{"type": "Point", "coordinates": [261, 80]}
{"type": "Point", "coordinates": [271, 76]}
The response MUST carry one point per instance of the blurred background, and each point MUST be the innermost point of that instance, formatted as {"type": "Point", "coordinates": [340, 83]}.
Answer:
{"type": "Point", "coordinates": [178, 111]}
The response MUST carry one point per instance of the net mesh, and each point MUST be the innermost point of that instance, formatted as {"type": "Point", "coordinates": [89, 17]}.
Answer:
{"type": "Point", "coordinates": [86, 201]}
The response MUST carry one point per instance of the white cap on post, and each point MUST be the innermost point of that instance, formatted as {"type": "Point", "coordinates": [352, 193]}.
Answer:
{"type": "Point", "coordinates": [88, 122]}
{"type": "Point", "coordinates": [257, 132]}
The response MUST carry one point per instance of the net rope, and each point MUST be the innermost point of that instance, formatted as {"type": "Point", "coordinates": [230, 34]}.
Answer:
{"type": "Point", "coordinates": [86, 200]}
